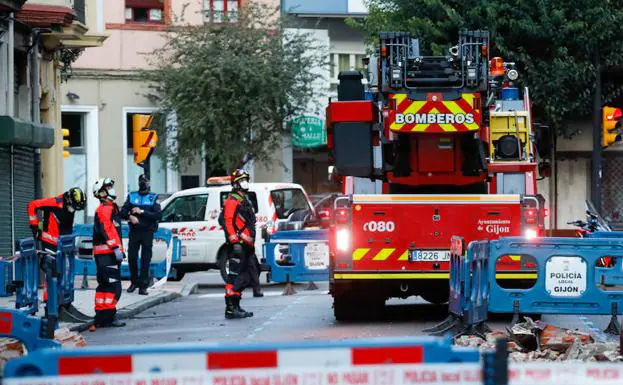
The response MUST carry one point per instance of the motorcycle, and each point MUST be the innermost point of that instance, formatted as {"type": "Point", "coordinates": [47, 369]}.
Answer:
{"type": "Point", "coordinates": [594, 222]}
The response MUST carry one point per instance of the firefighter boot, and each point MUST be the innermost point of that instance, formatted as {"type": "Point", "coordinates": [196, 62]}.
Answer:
{"type": "Point", "coordinates": [231, 312]}
{"type": "Point", "coordinates": [236, 301]}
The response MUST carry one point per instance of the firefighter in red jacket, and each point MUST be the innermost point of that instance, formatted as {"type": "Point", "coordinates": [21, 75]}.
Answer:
{"type": "Point", "coordinates": [108, 253]}
{"type": "Point", "coordinates": [239, 228]}
{"type": "Point", "coordinates": [58, 216]}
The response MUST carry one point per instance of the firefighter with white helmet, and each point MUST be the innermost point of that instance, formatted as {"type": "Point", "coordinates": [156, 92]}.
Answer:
{"type": "Point", "coordinates": [108, 254]}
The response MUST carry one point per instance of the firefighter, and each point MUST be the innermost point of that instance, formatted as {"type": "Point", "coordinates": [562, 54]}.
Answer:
{"type": "Point", "coordinates": [143, 211]}
{"type": "Point", "coordinates": [58, 216]}
{"type": "Point", "coordinates": [239, 228]}
{"type": "Point", "coordinates": [108, 253]}
{"type": "Point", "coordinates": [57, 219]}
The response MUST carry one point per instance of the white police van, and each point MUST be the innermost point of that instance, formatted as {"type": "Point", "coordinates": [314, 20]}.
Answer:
{"type": "Point", "coordinates": [193, 215]}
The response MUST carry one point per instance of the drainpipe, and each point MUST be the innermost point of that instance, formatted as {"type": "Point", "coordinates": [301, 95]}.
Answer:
{"type": "Point", "coordinates": [35, 103]}
{"type": "Point", "coordinates": [11, 112]}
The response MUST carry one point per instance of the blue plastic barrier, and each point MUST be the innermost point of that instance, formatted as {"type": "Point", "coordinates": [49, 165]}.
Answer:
{"type": "Point", "coordinates": [20, 323]}
{"type": "Point", "coordinates": [6, 278]}
{"type": "Point", "coordinates": [86, 266]}
{"type": "Point", "coordinates": [65, 264]}
{"type": "Point", "coordinates": [298, 256]}
{"type": "Point", "coordinates": [109, 360]}
{"type": "Point", "coordinates": [26, 280]}
{"type": "Point", "coordinates": [469, 289]}
{"type": "Point", "coordinates": [567, 280]}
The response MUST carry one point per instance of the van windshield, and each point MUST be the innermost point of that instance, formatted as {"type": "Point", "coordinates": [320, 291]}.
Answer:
{"type": "Point", "coordinates": [288, 201]}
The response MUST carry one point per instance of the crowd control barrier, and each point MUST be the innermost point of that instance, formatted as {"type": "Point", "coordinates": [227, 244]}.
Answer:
{"type": "Point", "coordinates": [20, 323]}
{"type": "Point", "coordinates": [161, 270]}
{"type": "Point", "coordinates": [568, 281]}
{"type": "Point", "coordinates": [469, 284]}
{"type": "Point", "coordinates": [372, 361]}
{"type": "Point", "coordinates": [26, 280]}
{"type": "Point", "coordinates": [298, 256]}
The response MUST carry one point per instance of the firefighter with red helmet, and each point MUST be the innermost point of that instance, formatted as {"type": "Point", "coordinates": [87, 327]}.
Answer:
{"type": "Point", "coordinates": [239, 220]}
{"type": "Point", "coordinates": [58, 216]}
{"type": "Point", "coordinates": [108, 254]}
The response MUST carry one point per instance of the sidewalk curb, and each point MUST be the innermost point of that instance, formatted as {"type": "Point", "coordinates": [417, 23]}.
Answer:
{"type": "Point", "coordinates": [190, 288]}
{"type": "Point", "coordinates": [127, 312]}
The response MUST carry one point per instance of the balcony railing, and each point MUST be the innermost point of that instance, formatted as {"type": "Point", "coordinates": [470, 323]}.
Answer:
{"type": "Point", "coordinates": [78, 6]}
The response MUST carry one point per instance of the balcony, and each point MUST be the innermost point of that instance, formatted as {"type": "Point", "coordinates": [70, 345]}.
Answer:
{"type": "Point", "coordinates": [78, 6]}
{"type": "Point", "coordinates": [325, 8]}
{"type": "Point", "coordinates": [11, 5]}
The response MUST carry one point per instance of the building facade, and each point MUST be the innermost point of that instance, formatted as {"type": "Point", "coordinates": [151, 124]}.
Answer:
{"type": "Point", "coordinates": [346, 49]}
{"type": "Point", "coordinates": [35, 38]}
{"type": "Point", "coordinates": [98, 102]}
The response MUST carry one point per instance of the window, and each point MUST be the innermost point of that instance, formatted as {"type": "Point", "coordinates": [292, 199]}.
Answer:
{"type": "Point", "coordinates": [191, 208]}
{"type": "Point", "coordinates": [288, 201]}
{"type": "Point", "coordinates": [217, 11]}
{"type": "Point", "coordinates": [144, 11]}
{"type": "Point", "coordinates": [74, 122]}
{"type": "Point", "coordinates": [250, 195]}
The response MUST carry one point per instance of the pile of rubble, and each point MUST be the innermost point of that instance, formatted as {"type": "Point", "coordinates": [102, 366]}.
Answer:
{"type": "Point", "coordinates": [11, 348]}
{"type": "Point", "coordinates": [538, 341]}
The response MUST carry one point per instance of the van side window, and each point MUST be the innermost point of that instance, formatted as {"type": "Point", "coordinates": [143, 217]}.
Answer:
{"type": "Point", "coordinates": [250, 195]}
{"type": "Point", "coordinates": [191, 208]}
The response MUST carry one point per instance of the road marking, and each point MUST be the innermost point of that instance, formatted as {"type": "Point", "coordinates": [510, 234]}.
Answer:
{"type": "Point", "coordinates": [219, 295]}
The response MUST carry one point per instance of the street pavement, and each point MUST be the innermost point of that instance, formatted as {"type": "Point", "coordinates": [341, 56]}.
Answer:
{"type": "Point", "coordinates": [306, 315]}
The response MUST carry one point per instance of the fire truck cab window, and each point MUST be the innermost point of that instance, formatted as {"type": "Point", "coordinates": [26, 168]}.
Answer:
{"type": "Point", "coordinates": [189, 208]}
{"type": "Point", "coordinates": [288, 201]}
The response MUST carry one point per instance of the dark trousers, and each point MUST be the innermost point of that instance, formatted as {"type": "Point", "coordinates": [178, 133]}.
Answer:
{"type": "Point", "coordinates": [108, 291]}
{"type": "Point", "coordinates": [254, 273]}
{"type": "Point", "coordinates": [239, 276]}
{"type": "Point", "coordinates": [144, 241]}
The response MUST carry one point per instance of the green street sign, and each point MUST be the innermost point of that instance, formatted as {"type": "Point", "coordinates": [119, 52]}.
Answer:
{"type": "Point", "coordinates": [308, 132]}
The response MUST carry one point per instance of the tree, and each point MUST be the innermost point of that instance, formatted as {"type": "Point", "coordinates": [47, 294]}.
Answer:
{"type": "Point", "coordinates": [553, 42]}
{"type": "Point", "coordinates": [233, 87]}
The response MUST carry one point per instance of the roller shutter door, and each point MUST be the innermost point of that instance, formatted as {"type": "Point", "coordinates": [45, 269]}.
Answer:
{"type": "Point", "coordinates": [5, 201]}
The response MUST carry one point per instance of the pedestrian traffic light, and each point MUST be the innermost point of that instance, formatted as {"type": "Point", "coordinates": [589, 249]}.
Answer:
{"type": "Point", "coordinates": [144, 139]}
{"type": "Point", "coordinates": [65, 142]}
{"type": "Point", "coordinates": [611, 125]}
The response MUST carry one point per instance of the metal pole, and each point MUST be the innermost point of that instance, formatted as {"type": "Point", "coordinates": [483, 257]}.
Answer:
{"type": "Point", "coordinates": [596, 176]}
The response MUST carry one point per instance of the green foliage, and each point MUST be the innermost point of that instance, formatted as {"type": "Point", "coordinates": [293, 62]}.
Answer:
{"type": "Point", "coordinates": [233, 87]}
{"type": "Point", "coordinates": [553, 42]}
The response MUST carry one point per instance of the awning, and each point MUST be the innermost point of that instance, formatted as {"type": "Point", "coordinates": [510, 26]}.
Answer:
{"type": "Point", "coordinates": [25, 133]}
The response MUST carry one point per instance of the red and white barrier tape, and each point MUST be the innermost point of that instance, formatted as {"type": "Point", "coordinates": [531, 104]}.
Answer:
{"type": "Point", "coordinates": [455, 373]}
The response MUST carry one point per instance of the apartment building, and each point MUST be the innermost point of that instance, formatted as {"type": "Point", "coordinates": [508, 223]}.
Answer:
{"type": "Point", "coordinates": [326, 19]}
{"type": "Point", "coordinates": [38, 40]}
{"type": "Point", "coordinates": [98, 102]}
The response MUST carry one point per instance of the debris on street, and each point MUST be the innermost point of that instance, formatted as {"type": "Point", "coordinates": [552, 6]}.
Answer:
{"type": "Point", "coordinates": [539, 341]}
{"type": "Point", "coordinates": [11, 348]}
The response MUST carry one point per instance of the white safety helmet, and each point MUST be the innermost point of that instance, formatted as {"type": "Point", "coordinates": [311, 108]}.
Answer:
{"type": "Point", "coordinates": [105, 184]}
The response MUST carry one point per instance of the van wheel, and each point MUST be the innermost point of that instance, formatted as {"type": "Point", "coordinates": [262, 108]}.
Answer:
{"type": "Point", "coordinates": [178, 275]}
{"type": "Point", "coordinates": [223, 263]}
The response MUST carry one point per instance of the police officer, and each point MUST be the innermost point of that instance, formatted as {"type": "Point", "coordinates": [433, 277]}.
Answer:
{"type": "Point", "coordinates": [58, 216]}
{"type": "Point", "coordinates": [108, 253]}
{"type": "Point", "coordinates": [239, 219]}
{"type": "Point", "coordinates": [143, 211]}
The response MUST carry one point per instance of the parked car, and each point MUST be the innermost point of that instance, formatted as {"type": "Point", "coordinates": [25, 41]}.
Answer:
{"type": "Point", "coordinates": [193, 215]}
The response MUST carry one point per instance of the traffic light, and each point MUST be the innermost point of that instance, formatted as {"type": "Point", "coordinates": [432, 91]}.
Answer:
{"type": "Point", "coordinates": [144, 139]}
{"type": "Point", "coordinates": [65, 142]}
{"type": "Point", "coordinates": [611, 125]}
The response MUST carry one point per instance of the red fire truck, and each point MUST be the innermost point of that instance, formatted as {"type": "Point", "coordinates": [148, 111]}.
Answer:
{"type": "Point", "coordinates": [437, 146]}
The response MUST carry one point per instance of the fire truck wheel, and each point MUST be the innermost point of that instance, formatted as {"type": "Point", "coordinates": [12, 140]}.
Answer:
{"type": "Point", "coordinates": [437, 296]}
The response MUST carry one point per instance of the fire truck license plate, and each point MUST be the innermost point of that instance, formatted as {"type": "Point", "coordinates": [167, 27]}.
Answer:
{"type": "Point", "coordinates": [430, 255]}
